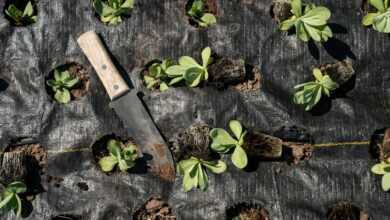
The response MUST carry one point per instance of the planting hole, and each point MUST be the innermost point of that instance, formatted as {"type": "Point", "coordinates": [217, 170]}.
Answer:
{"type": "Point", "coordinates": [154, 208]}
{"type": "Point", "coordinates": [246, 211]}
{"type": "Point", "coordinates": [346, 210]}
{"type": "Point", "coordinates": [72, 83]}
{"type": "Point", "coordinates": [21, 12]}
{"type": "Point", "coordinates": [201, 13]}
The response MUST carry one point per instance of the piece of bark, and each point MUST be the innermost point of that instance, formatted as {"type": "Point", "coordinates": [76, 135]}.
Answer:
{"type": "Point", "coordinates": [13, 167]}
{"type": "Point", "coordinates": [262, 145]}
{"type": "Point", "coordinates": [224, 72]}
{"type": "Point", "coordinates": [384, 148]}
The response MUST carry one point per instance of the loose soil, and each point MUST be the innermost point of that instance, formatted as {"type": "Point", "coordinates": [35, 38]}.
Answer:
{"type": "Point", "coordinates": [76, 70]}
{"type": "Point", "coordinates": [211, 6]}
{"type": "Point", "coordinates": [280, 10]}
{"type": "Point", "coordinates": [347, 211]}
{"type": "Point", "coordinates": [193, 141]}
{"type": "Point", "coordinates": [154, 209]}
{"type": "Point", "coordinates": [245, 211]}
{"type": "Point", "coordinates": [252, 81]}
{"type": "Point", "coordinates": [99, 149]}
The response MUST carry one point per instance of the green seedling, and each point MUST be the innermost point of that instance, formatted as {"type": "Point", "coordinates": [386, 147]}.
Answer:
{"type": "Point", "coordinates": [189, 70]}
{"type": "Point", "coordinates": [61, 84]}
{"type": "Point", "coordinates": [310, 22]}
{"type": "Point", "coordinates": [310, 93]}
{"type": "Point", "coordinates": [194, 171]}
{"type": "Point", "coordinates": [10, 199]}
{"type": "Point", "coordinates": [379, 20]}
{"type": "Point", "coordinates": [223, 142]}
{"type": "Point", "coordinates": [20, 17]}
{"type": "Point", "coordinates": [196, 12]}
{"type": "Point", "coordinates": [123, 157]}
{"type": "Point", "coordinates": [111, 11]}
{"type": "Point", "coordinates": [157, 76]}
{"type": "Point", "coordinates": [383, 168]}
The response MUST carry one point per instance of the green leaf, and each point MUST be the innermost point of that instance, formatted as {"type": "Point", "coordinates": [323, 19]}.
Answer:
{"type": "Point", "coordinates": [176, 70]}
{"type": "Point", "coordinates": [186, 165]}
{"type": "Point", "coordinates": [128, 4]}
{"type": "Point", "coordinates": [28, 10]}
{"type": "Point", "coordinates": [18, 210]}
{"type": "Point", "coordinates": [208, 19]}
{"type": "Point", "coordinates": [188, 62]}
{"type": "Point", "coordinates": [190, 179]}
{"type": "Point", "coordinates": [176, 80]}
{"type": "Point", "coordinates": [163, 87]}
{"type": "Point", "coordinates": [369, 19]}
{"type": "Point", "coordinates": [382, 23]}
{"type": "Point", "coordinates": [155, 69]}
{"type": "Point", "coordinates": [130, 153]}
{"type": "Point", "coordinates": [114, 147]}
{"type": "Point", "coordinates": [239, 157]}
{"type": "Point", "coordinates": [206, 54]}
{"type": "Point", "coordinates": [301, 31]}
{"type": "Point", "coordinates": [150, 82]}
{"type": "Point", "coordinates": [193, 76]}
{"type": "Point", "coordinates": [317, 74]}
{"type": "Point", "coordinates": [71, 82]}
{"type": "Point", "coordinates": [103, 9]}
{"type": "Point", "coordinates": [123, 166]}
{"type": "Point", "coordinates": [62, 96]}
{"type": "Point", "coordinates": [378, 4]}
{"type": "Point", "coordinates": [386, 182]}
{"type": "Point", "coordinates": [196, 9]}
{"type": "Point", "coordinates": [317, 16]}
{"type": "Point", "coordinates": [313, 32]}
{"type": "Point", "coordinates": [108, 163]}
{"type": "Point", "coordinates": [287, 24]}
{"type": "Point", "coordinates": [17, 187]}
{"type": "Point", "coordinates": [5, 200]}
{"type": "Point", "coordinates": [296, 7]}
{"type": "Point", "coordinates": [380, 168]}
{"type": "Point", "coordinates": [222, 142]}
{"type": "Point", "coordinates": [216, 167]}
{"type": "Point", "coordinates": [166, 64]}
{"type": "Point", "coordinates": [202, 178]}
{"type": "Point", "coordinates": [64, 76]}
{"type": "Point", "coordinates": [236, 127]}
{"type": "Point", "coordinates": [14, 13]}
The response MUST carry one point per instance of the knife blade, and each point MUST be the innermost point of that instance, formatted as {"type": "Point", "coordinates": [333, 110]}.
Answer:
{"type": "Point", "coordinates": [129, 107]}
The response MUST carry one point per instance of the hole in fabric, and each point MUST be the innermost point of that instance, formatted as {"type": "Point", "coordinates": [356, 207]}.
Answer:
{"type": "Point", "coordinates": [20, 12]}
{"type": "Point", "coordinates": [154, 208]}
{"type": "Point", "coordinates": [76, 91]}
{"type": "Point", "coordinates": [247, 211]}
{"type": "Point", "coordinates": [346, 210]}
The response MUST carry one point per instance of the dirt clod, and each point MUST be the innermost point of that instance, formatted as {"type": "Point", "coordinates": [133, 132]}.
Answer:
{"type": "Point", "coordinates": [246, 211]}
{"type": "Point", "coordinates": [154, 209]}
{"type": "Point", "coordinates": [347, 211]}
{"type": "Point", "coordinates": [299, 151]}
{"type": "Point", "coordinates": [280, 10]}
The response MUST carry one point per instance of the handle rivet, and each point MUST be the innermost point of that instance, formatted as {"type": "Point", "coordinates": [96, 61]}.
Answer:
{"type": "Point", "coordinates": [116, 87]}
{"type": "Point", "coordinates": [104, 67]}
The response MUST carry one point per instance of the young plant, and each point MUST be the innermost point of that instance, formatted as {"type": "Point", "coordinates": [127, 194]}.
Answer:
{"type": "Point", "coordinates": [10, 200]}
{"type": "Point", "coordinates": [61, 84]}
{"type": "Point", "coordinates": [309, 94]}
{"type": "Point", "coordinates": [196, 12]}
{"type": "Point", "coordinates": [383, 168]}
{"type": "Point", "coordinates": [379, 20]}
{"type": "Point", "coordinates": [21, 17]}
{"type": "Point", "coordinates": [223, 142]}
{"type": "Point", "coordinates": [310, 22]}
{"type": "Point", "coordinates": [123, 157]}
{"type": "Point", "coordinates": [157, 75]}
{"type": "Point", "coordinates": [111, 11]}
{"type": "Point", "coordinates": [189, 70]}
{"type": "Point", "coordinates": [194, 171]}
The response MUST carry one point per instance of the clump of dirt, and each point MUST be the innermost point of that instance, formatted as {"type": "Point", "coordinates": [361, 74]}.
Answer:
{"type": "Point", "coordinates": [280, 10]}
{"type": "Point", "coordinates": [55, 180]}
{"type": "Point", "coordinates": [380, 145]}
{"type": "Point", "coordinates": [298, 152]}
{"type": "Point", "coordinates": [263, 146]}
{"type": "Point", "coordinates": [252, 81]}
{"type": "Point", "coordinates": [347, 211]}
{"type": "Point", "coordinates": [154, 209]}
{"type": "Point", "coordinates": [99, 149]}
{"type": "Point", "coordinates": [211, 6]}
{"type": "Point", "coordinates": [340, 72]}
{"type": "Point", "coordinates": [75, 70]}
{"type": "Point", "coordinates": [246, 211]}
{"type": "Point", "coordinates": [193, 141]}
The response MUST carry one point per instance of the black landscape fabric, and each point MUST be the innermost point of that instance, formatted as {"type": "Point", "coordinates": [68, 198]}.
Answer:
{"type": "Point", "coordinates": [160, 29]}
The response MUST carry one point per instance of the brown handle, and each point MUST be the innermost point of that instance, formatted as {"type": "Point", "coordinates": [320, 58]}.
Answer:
{"type": "Point", "coordinates": [96, 53]}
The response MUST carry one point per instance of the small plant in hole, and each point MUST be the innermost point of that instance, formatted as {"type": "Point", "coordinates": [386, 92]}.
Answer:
{"type": "Point", "coordinates": [189, 70]}
{"type": "Point", "coordinates": [194, 171]}
{"type": "Point", "coordinates": [10, 199]}
{"type": "Point", "coordinates": [111, 11]}
{"type": "Point", "coordinates": [61, 84]}
{"type": "Point", "coordinates": [379, 20]}
{"type": "Point", "coordinates": [21, 17]}
{"type": "Point", "coordinates": [197, 13]}
{"type": "Point", "coordinates": [223, 142]}
{"type": "Point", "coordinates": [310, 22]}
{"type": "Point", "coordinates": [123, 156]}
{"type": "Point", "coordinates": [310, 93]}
{"type": "Point", "coordinates": [157, 76]}
{"type": "Point", "coordinates": [383, 168]}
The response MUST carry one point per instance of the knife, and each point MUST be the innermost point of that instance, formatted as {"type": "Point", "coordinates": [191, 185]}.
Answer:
{"type": "Point", "coordinates": [129, 107]}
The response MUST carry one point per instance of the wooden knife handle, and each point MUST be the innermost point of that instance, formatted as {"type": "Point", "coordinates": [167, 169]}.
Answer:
{"type": "Point", "coordinates": [97, 54]}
